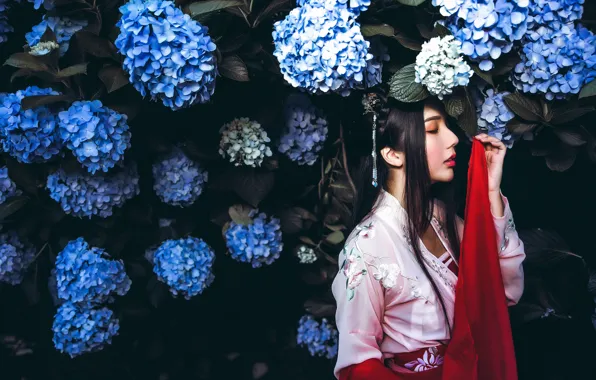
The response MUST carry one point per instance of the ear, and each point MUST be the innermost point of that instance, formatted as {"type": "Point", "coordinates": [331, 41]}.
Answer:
{"type": "Point", "coordinates": [392, 157]}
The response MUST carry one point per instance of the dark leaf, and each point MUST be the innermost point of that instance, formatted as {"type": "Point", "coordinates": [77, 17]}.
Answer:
{"type": "Point", "coordinates": [524, 107]}
{"type": "Point", "coordinates": [562, 159]}
{"type": "Point", "coordinates": [526, 312]}
{"type": "Point", "coordinates": [518, 127]}
{"type": "Point", "coordinates": [572, 136]}
{"type": "Point", "coordinates": [454, 106]}
{"type": "Point", "coordinates": [403, 86]}
{"type": "Point", "coordinates": [48, 36]}
{"type": "Point", "coordinates": [441, 31]}
{"type": "Point", "coordinates": [468, 120]}
{"type": "Point", "coordinates": [113, 77]}
{"type": "Point", "coordinates": [20, 73]}
{"type": "Point", "coordinates": [42, 100]}
{"type": "Point", "coordinates": [315, 278]}
{"type": "Point", "coordinates": [232, 44]}
{"type": "Point", "coordinates": [234, 68]}
{"type": "Point", "coordinates": [320, 308]}
{"type": "Point", "coordinates": [504, 66]}
{"type": "Point", "coordinates": [130, 110]}
{"type": "Point", "coordinates": [565, 114]}
{"type": "Point", "coordinates": [378, 29]}
{"type": "Point", "coordinates": [12, 205]}
{"type": "Point", "coordinates": [203, 7]}
{"type": "Point", "coordinates": [254, 186]}
{"type": "Point", "coordinates": [157, 292]}
{"type": "Point", "coordinates": [335, 237]}
{"type": "Point", "coordinates": [588, 90]}
{"type": "Point", "coordinates": [96, 46]}
{"type": "Point", "coordinates": [81, 68]}
{"type": "Point", "coordinates": [31, 292]}
{"type": "Point", "coordinates": [292, 219]}
{"type": "Point", "coordinates": [483, 74]}
{"type": "Point", "coordinates": [307, 240]}
{"type": "Point", "coordinates": [23, 175]}
{"type": "Point", "coordinates": [26, 61]}
{"type": "Point", "coordinates": [408, 42]}
{"type": "Point", "coordinates": [538, 240]}
{"type": "Point", "coordinates": [240, 214]}
{"type": "Point", "coordinates": [274, 7]}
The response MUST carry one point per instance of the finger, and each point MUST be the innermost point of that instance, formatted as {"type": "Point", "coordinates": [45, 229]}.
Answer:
{"type": "Point", "coordinates": [481, 136]}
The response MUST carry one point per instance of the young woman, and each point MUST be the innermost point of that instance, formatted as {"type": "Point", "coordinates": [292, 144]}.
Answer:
{"type": "Point", "coordinates": [395, 292]}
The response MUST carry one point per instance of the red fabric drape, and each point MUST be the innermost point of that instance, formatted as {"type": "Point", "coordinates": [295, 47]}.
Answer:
{"type": "Point", "coordinates": [481, 346]}
{"type": "Point", "coordinates": [368, 370]}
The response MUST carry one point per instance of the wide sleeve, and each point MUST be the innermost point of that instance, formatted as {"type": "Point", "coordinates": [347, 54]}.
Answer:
{"type": "Point", "coordinates": [360, 299]}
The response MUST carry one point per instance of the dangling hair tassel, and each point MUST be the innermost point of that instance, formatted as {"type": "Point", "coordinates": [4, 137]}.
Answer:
{"type": "Point", "coordinates": [374, 151]}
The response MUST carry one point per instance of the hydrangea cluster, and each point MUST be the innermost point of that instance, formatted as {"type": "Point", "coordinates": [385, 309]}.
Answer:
{"type": "Point", "coordinates": [178, 181]}
{"type": "Point", "coordinates": [63, 27]}
{"type": "Point", "coordinates": [320, 48]}
{"type": "Point", "coordinates": [5, 27]}
{"type": "Point", "coordinates": [28, 135]}
{"type": "Point", "coordinates": [87, 274]}
{"type": "Point", "coordinates": [244, 142]}
{"type": "Point", "coordinates": [374, 68]}
{"type": "Point", "coordinates": [7, 187]}
{"type": "Point", "coordinates": [15, 258]}
{"type": "Point", "coordinates": [557, 63]}
{"type": "Point", "coordinates": [185, 265]}
{"type": "Point", "coordinates": [486, 28]}
{"type": "Point", "coordinates": [258, 243]}
{"type": "Point", "coordinates": [96, 135]}
{"type": "Point", "coordinates": [167, 54]}
{"type": "Point", "coordinates": [553, 14]}
{"type": "Point", "coordinates": [305, 131]}
{"type": "Point", "coordinates": [306, 254]}
{"type": "Point", "coordinates": [84, 195]}
{"type": "Point", "coordinates": [493, 116]}
{"type": "Point", "coordinates": [47, 4]}
{"type": "Point", "coordinates": [355, 6]}
{"type": "Point", "coordinates": [321, 339]}
{"type": "Point", "coordinates": [440, 66]}
{"type": "Point", "coordinates": [79, 328]}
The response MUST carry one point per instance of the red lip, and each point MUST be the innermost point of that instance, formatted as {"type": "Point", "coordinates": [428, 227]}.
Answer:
{"type": "Point", "coordinates": [451, 161]}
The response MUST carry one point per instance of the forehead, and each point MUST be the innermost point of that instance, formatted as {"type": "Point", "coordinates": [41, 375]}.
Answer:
{"type": "Point", "coordinates": [432, 111]}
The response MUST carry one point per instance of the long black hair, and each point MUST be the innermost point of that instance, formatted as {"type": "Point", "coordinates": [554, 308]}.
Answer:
{"type": "Point", "coordinates": [400, 126]}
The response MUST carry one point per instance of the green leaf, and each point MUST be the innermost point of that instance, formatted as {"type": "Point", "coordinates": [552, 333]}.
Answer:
{"type": "Point", "coordinates": [441, 31]}
{"type": "Point", "coordinates": [483, 74]}
{"type": "Point", "coordinates": [408, 42]}
{"type": "Point", "coordinates": [403, 86]}
{"type": "Point", "coordinates": [468, 120]}
{"type": "Point", "coordinates": [376, 30]}
{"type": "Point", "coordinates": [234, 68]}
{"type": "Point", "coordinates": [80, 68]}
{"type": "Point", "coordinates": [454, 106]}
{"type": "Point", "coordinates": [518, 127]}
{"type": "Point", "coordinates": [12, 205]}
{"type": "Point", "coordinates": [412, 3]}
{"type": "Point", "coordinates": [42, 100]}
{"type": "Point", "coordinates": [26, 61]}
{"type": "Point", "coordinates": [571, 136]}
{"type": "Point", "coordinates": [335, 237]}
{"type": "Point", "coordinates": [307, 240]}
{"type": "Point", "coordinates": [562, 159]}
{"type": "Point", "coordinates": [113, 77]}
{"type": "Point", "coordinates": [525, 108]}
{"type": "Point", "coordinates": [240, 214]}
{"type": "Point", "coordinates": [565, 114]}
{"type": "Point", "coordinates": [203, 7]}
{"type": "Point", "coordinates": [588, 90]}
{"type": "Point", "coordinates": [350, 294]}
{"type": "Point", "coordinates": [274, 7]}
{"type": "Point", "coordinates": [95, 45]}
{"type": "Point", "coordinates": [252, 185]}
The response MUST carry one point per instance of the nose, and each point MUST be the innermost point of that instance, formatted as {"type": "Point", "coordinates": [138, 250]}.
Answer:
{"type": "Point", "coordinates": [451, 138]}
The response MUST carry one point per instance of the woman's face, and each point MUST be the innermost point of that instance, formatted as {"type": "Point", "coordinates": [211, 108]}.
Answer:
{"type": "Point", "coordinates": [440, 145]}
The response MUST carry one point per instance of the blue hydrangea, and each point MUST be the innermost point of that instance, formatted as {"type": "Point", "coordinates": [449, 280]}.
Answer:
{"type": "Point", "coordinates": [177, 180]}
{"type": "Point", "coordinates": [486, 28]}
{"type": "Point", "coordinates": [8, 188]}
{"type": "Point", "coordinates": [185, 265]}
{"type": "Point", "coordinates": [84, 195]}
{"type": "Point", "coordinates": [96, 135]}
{"type": "Point", "coordinates": [167, 54]}
{"type": "Point", "coordinates": [448, 7]}
{"type": "Point", "coordinates": [47, 4]}
{"type": "Point", "coordinates": [28, 135]}
{"type": "Point", "coordinates": [374, 68]}
{"type": "Point", "coordinates": [554, 13]}
{"type": "Point", "coordinates": [64, 28]}
{"type": "Point", "coordinates": [305, 130]}
{"type": "Point", "coordinates": [87, 274]}
{"type": "Point", "coordinates": [494, 115]}
{"type": "Point", "coordinates": [321, 49]}
{"type": "Point", "coordinates": [258, 243]}
{"type": "Point", "coordinates": [321, 339]}
{"type": "Point", "coordinates": [355, 6]}
{"type": "Point", "coordinates": [5, 27]}
{"type": "Point", "coordinates": [78, 328]}
{"type": "Point", "coordinates": [15, 258]}
{"type": "Point", "coordinates": [557, 63]}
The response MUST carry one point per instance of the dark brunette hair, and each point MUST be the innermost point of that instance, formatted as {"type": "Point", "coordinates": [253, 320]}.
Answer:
{"type": "Point", "coordinates": [400, 126]}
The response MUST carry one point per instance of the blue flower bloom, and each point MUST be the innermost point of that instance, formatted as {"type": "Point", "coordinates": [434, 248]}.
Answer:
{"type": "Point", "coordinates": [185, 265]}
{"type": "Point", "coordinates": [86, 274]}
{"type": "Point", "coordinates": [354, 6]}
{"type": "Point", "coordinates": [47, 4]}
{"type": "Point", "coordinates": [78, 328]}
{"type": "Point", "coordinates": [494, 115]}
{"type": "Point", "coordinates": [321, 339]}
{"type": "Point", "coordinates": [258, 243]}
{"type": "Point", "coordinates": [64, 28]}
{"type": "Point", "coordinates": [84, 195]}
{"type": "Point", "coordinates": [305, 131]}
{"type": "Point", "coordinates": [8, 188]}
{"type": "Point", "coordinates": [177, 180]}
{"type": "Point", "coordinates": [167, 54]}
{"type": "Point", "coordinates": [553, 14]}
{"type": "Point", "coordinates": [557, 63]}
{"type": "Point", "coordinates": [374, 68]}
{"type": "Point", "coordinates": [28, 135]}
{"type": "Point", "coordinates": [15, 258]}
{"type": "Point", "coordinates": [5, 27]}
{"type": "Point", "coordinates": [321, 49]}
{"type": "Point", "coordinates": [448, 7]}
{"type": "Point", "coordinates": [97, 135]}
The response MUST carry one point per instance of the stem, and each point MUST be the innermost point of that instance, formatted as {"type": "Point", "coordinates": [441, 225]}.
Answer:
{"type": "Point", "coordinates": [344, 157]}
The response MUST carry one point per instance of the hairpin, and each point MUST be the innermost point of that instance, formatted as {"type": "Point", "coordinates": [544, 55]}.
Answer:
{"type": "Point", "coordinates": [370, 102]}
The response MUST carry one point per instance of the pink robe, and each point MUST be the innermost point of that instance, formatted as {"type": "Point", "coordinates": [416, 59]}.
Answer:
{"type": "Point", "coordinates": [385, 303]}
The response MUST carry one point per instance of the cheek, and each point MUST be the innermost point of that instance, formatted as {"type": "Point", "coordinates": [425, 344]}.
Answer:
{"type": "Point", "coordinates": [434, 154]}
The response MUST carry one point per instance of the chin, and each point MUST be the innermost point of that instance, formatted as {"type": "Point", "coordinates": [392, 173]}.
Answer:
{"type": "Point", "coordinates": [443, 177]}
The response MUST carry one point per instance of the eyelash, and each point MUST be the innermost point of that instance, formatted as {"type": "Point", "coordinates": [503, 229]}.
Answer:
{"type": "Point", "coordinates": [434, 131]}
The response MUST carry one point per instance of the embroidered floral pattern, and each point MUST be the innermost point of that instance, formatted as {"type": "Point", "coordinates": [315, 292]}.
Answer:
{"type": "Point", "coordinates": [431, 359]}
{"type": "Point", "coordinates": [353, 270]}
{"type": "Point", "coordinates": [387, 274]}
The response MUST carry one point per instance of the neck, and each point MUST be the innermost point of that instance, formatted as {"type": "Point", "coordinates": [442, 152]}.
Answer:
{"type": "Point", "coordinates": [396, 186]}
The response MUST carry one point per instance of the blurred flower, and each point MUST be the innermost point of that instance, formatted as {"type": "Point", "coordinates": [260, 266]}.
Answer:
{"type": "Point", "coordinates": [8, 188]}
{"type": "Point", "coordinates": [86, 274]}
{"type": "Point", "coordinates": [306, 254]}
{"type": "Point", "coordinates": [44, 48]}
{"type": "Point", "coordinates": [321, 339]}
{"type": "Point", "coordinates": [320, 48]}
{"type": "Point", "coordinates": [305, 130]}
{"type": "Point", "coordinates": [177, 180]}
{"type": "Point", "coordinates": [64, 28]}
{"type": "Point", "coordinates": [85, 195]}
{"type": "Point", "coordinates": [78, 328]}
{"type": "Point", "coordinates": [243, 141]}
{"type": "Point", "coordinates": [185, 265]}
{"type": "Point", "coordinates": [5, 27]}
{"type": "Point", "coordinates": [440, 67]}
{"type": "Point", "coordinates": [28, 135]}
{"type": "Point", "coordinates": [15, 258]}
{"type": "Point", "coordinates": [258, 243]}
{"type": "Point", "coordinates": [167, 54]}
{"type": "Point", "coordinates": [494, 115]}
{"type": "Point", "coordinates": [96, 135]}
{"type": "Point", "coordinates": [47, 4]}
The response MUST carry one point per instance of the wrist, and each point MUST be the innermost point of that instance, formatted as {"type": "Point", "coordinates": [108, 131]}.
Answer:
{"type": "Point", "coordinates": [497, 207]}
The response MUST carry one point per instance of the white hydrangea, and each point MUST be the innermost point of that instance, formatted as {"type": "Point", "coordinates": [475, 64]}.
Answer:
{"type": "Point", "coordinates": [244, 142]}
{"type": "Point", "coordinates": [44, 48]}
{"type": "Point", "coordinates": [440, 66]}
{"type": "Point", "coordinates": [306, 254]}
